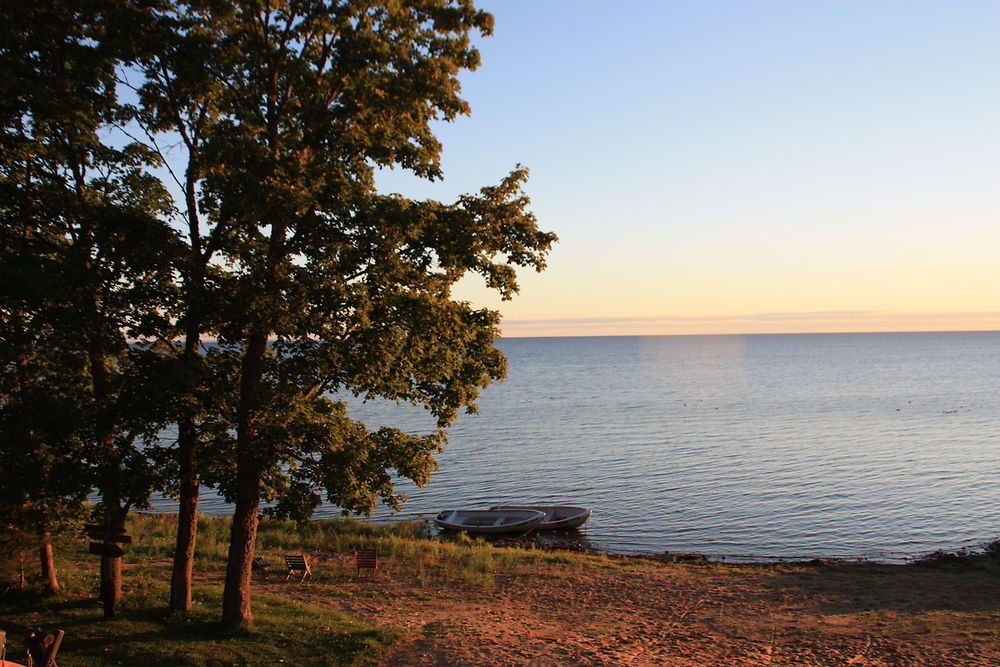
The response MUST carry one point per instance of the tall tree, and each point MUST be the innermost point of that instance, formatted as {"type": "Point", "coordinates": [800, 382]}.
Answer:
{"type": "Point", "coordinates": [178, 93]}
{"type": "Point", "coordinates": [90, 219]}
{"type": "Point", "coordinates": [337, 287]}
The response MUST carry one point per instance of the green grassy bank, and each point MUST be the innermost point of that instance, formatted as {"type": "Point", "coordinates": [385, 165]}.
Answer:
{"type": "Point", "coordinates": [285, 631]}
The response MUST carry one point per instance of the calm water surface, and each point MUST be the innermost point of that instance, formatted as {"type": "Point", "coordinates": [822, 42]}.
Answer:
{"type": "Point", "coordinates": [833, 445]}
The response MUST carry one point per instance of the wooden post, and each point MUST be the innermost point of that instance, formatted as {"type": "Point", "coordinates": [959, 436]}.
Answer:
{"type": "Point", "coordinates": [109, 551]}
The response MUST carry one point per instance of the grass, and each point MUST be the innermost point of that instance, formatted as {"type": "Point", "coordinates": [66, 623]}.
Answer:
{"type": "Point", "coordinates": [439, 588]}
{"type": "Point", "coordinates": [144, 633]}
{"type": "Point", "coordinates": [285, 630]}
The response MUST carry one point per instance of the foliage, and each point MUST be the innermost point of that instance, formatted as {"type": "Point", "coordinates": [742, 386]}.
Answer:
{"type": "Point", "coordinates": [330, 285]}
{"type": "Point", "coordinates": [86, 259]}
{"type": "Point", "coordinates": [352, 286]}
{"type": "Point", "coordinates": [312, 280]}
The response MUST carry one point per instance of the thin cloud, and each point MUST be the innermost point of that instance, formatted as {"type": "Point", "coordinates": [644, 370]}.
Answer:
{"type": "Point", "coordinates": [771, 322]}
{"type": "Point", "coordinates": [845, 315]}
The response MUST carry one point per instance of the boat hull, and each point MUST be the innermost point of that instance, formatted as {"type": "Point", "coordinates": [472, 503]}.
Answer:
{"type": "Point", "coordinates": [491, 522]}
{"type": "Point", "coordinates": [557, 517]}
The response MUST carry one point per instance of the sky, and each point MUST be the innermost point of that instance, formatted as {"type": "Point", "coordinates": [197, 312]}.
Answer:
{"type": "Point", "coordinates": [745, 166]}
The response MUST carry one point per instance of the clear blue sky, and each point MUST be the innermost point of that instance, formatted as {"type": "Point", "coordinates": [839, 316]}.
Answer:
{"type": "Point", "coordinates": [753, 165]}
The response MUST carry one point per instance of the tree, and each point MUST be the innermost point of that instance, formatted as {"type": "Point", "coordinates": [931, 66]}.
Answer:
{"type": "Point", "coordinates": [86, 219]}
{"type": "Point", "coordinates": [178, 94]}
{"type": "Point", "coordinates": [44, 486]}
{"type": "Point", "coordinates": [312, 280]}
{"type": "Point", "coordinates": [43, 479]}
{"type": "Point", "coordinates": [335, 286]}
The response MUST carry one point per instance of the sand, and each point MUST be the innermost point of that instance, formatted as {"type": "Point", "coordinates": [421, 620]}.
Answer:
{"type": "Point", "coordinates": [637, 612]}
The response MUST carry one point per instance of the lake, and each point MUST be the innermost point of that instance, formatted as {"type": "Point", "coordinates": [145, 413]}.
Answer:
{"type": "Point", "coordinates": [762, 446]}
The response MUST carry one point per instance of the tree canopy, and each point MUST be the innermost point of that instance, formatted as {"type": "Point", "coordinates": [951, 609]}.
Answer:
{"type": "Point", "coordinates": [275, 242]}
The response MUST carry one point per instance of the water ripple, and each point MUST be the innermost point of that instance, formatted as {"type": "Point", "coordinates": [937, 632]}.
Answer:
{"type": "Point", "coordinates": [844, 445]}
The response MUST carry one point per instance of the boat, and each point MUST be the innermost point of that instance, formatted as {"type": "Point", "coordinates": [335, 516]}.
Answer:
{"type": "Point", "coordinates": [557, 517]}
{"type": "Point", "coordinates": [491, 521]}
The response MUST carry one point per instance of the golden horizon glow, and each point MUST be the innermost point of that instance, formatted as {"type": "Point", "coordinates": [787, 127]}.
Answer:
{"type": "Point", "coordinates": [740, 171]}
{"type": "Point", "coordinates": [763, 323]}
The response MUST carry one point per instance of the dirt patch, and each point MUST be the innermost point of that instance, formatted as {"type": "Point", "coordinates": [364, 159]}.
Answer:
{"type": "Point", "coordinates": [642, 613]}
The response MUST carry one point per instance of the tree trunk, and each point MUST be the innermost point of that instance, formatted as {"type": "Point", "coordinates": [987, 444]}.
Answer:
{"type": "Point", "coordinates": [48, 565]}
{"type": "Point", "coordinates": [236, 611]}
{"type": "Point", "coordinates": [188, 443]}
{"type": "Point", "coordinates": [114, 514]}
{"type": "Point", "coordinates": [111, 566]}
{"type": "Point", "coordinates": [46, 561]}
{"type": "Point", "coordinates": [187, 518]}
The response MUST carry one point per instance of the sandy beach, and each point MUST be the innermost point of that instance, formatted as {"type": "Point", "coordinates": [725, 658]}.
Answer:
{"type": "Point", "coordinates": [638, 612]}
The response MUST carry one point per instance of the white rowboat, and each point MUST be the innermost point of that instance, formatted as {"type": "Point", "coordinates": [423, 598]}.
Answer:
{"type": "Point", "coordinates": [490, 521]}
{"type": "Point", "coordinates": [557, 517]}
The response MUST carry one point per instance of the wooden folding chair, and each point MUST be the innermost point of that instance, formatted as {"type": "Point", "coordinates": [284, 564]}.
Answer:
{"type": "Point", "coordinates": [261, 565]}
{"type": "Point", "coordinates": [297, 563]}
{"type": "Point", "coordinates": [366, 559]}
{"type": "Point", "coordinates": [42, 646]}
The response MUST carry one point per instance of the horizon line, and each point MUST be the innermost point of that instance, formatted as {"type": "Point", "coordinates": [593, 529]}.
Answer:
{"type": "Point", "coordinates": [874, 332]}
{"type": "Point", "coordinates": [777, 323]}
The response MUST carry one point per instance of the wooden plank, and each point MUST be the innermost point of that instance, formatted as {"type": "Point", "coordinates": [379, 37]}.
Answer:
{"type": "Point", "coordinates": [101, 549]}
{"type": "Point", "coordinates": [109, 537]}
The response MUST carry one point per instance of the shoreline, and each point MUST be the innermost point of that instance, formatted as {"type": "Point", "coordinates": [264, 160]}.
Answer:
{"type": "Point", "coordinates": [435, 602]}
{"type": "Point", "coordinates": [580, 542]}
